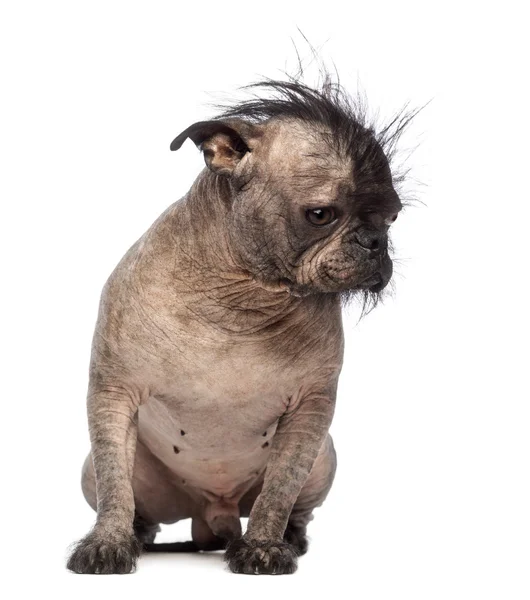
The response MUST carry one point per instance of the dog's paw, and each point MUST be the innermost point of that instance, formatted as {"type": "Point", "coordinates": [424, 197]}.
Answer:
{"type": "Point", "coordinates": [259, 558]}
{"type": "Point", "coordinates": [97, 553]}
{"type": "Point", "coordinates": [296, 537]}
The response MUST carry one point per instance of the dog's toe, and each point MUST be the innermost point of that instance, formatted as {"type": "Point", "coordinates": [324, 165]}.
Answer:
{"type": "Point", "coordinates": [261, 558]}
{"type": "Point", "coordinates": [97, 555]}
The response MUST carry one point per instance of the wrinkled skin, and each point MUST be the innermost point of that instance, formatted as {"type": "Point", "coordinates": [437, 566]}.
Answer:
{"type": "Point", "coordinates": [218, 348]}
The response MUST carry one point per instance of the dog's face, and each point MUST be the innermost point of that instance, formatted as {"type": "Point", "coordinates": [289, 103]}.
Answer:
{"type": "Point", "coordinates": [304, 212]}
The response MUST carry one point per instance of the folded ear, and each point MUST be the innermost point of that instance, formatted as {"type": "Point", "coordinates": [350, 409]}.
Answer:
{"type": "Point", "coordinates": [223, 145]}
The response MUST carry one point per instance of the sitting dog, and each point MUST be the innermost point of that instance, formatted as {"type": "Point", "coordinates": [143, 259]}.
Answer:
{"type": "Point", "coordinates": [219, 340]}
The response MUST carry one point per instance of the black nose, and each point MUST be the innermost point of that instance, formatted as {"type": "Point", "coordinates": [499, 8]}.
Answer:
{"type": "Point", "coordinates": [371, 239]}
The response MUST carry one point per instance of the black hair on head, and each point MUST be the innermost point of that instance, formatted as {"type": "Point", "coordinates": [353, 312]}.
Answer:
{"type": "Point", "coordinates": [345, 117]}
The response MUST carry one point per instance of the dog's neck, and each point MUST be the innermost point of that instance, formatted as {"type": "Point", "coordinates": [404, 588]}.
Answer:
{"type": "Point", "coordinates": [207, 274]}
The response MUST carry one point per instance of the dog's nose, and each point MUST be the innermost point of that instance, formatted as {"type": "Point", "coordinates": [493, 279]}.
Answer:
{"type": "Point", "coordinates": [371, 239]}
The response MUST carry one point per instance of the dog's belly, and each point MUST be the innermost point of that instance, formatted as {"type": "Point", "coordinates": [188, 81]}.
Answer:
{"type": "Point", "coordinates": [212, 445]}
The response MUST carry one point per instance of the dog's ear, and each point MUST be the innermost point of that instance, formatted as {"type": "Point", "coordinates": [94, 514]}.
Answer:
{"type": "Point", "coordinates": [222, 144]}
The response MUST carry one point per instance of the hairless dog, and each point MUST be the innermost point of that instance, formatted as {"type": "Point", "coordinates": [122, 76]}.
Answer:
{"type": "Point", "coordinates": [219, 341]}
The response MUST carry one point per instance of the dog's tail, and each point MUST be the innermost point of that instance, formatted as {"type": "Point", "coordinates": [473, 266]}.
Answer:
{"type": "Point", "coordinates": [218, 544]}
{"type": "Point", "coordinates": [172, 547]}
{"type": "Point", "coordinates": [222, 525]}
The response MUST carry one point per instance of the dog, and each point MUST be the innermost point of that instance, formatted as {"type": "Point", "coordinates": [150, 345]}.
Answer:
{"type": "Point", "coordinates": [219, 340]}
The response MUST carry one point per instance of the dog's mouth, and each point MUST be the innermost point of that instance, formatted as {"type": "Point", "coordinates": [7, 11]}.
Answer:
{"type": "Point", "coordinates": [374, 283]}
{"type": "Point", "coordinates": [373, 275]}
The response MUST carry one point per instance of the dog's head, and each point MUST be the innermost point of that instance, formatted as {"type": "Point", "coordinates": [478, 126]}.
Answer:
{"type": "Point", "coordinates": [312, 192]}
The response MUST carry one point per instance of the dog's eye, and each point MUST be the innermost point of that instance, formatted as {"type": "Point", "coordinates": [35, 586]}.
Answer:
{"type": "Point", "coordinates": [320, 216]}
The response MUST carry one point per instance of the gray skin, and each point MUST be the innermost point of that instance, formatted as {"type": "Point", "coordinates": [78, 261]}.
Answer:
{"type": "Point", "coordinates": [217, 352]}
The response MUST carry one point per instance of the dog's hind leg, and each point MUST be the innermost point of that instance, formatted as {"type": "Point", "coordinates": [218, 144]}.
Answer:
{"type": "Point", "coordinates": [144, 531]}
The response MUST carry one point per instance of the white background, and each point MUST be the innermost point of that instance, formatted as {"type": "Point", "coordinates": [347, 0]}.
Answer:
{"type": "Point", "coordinates": [432, 494]}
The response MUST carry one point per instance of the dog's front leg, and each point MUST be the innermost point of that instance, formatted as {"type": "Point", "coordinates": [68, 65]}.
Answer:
{"type": "Point", "coordinates": [111, 546]}
{"type": "Point", "coordinates": [299, 437]}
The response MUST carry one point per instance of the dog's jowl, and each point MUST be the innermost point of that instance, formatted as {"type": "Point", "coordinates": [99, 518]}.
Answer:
{"type": "Point", "coordinates": [219, 342]}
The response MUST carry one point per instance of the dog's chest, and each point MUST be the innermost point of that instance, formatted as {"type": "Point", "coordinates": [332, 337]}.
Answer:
{"type": "Point", "coordinates": [214, 430]}
{"type": "Point", "coordinates": [216, 400]}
